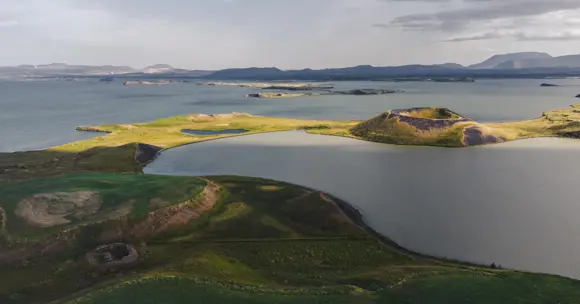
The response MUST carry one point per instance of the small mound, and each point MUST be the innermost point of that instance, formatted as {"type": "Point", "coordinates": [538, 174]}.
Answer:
{"type": "Point", "coordinates": [52, 209]}
{"type": "Point", "coordinates": [112, 255]}
{"type": "Point", "coordinates": [424, 126]}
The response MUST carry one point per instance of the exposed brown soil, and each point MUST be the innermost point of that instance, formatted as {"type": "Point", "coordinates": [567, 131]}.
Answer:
{"type": "Point", "coordinates": [51, 209]}
{"type": "Point", "coordinates": [164, 219]}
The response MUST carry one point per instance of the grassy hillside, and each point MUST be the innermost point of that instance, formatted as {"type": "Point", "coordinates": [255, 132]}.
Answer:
{"type": "Point", "coordinates": [119, 195]}
{"type": "Point", "coordinates": [442, 127]}
{"type": "Point", "coordinates": [261, 241]}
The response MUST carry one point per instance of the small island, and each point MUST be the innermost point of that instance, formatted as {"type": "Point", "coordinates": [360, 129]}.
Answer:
{"type": "Point", "coordinates": [291, 86]}
{"type": "Point", "coordinates": [145, 82]}
{"type": "Point", "coordinates": [365, 92]}
{"type": "Point", "coordinates": [280, 95]}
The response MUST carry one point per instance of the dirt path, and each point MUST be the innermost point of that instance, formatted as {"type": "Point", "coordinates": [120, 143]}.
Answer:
{"type": "Point", "coordinates": [162, 220]}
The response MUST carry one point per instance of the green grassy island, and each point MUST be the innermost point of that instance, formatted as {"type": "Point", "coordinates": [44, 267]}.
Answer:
{"type": "Point", "coordinates": [79, 223]}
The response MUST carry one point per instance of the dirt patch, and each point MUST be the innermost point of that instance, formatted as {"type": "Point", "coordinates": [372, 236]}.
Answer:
{"type": "Point", "coordinates": [52, 209]}
{"type": "Point", "coordinates": [164, 219]}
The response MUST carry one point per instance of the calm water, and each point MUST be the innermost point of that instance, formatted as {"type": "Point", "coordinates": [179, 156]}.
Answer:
{"type": "Point", "coordinates": [516, 204]}
{"type": "Point", "coordinates": [40, 114]}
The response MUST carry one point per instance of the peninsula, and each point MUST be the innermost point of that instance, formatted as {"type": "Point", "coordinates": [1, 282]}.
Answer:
{"type": "Point", "coordinates": [81, 224]}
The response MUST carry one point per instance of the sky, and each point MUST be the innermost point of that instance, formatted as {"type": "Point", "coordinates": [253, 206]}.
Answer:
{"type": "Point", "coordinates": [288, 34]}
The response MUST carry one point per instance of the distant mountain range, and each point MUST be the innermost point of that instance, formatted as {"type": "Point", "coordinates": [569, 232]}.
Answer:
{"type": "Point", "coordinates": [528, 60]}
{"type": "Point", "coordinates": [515, 65]}
{"type": "Point", "coordinates": [62, 69]}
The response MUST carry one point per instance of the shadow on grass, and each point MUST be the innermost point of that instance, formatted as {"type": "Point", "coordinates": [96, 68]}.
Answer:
{"type": "Point", "coordinates": [130, 157]}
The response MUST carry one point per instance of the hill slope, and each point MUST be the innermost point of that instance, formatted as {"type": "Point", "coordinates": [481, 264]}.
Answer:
{"type": "Point", "coordinates": [425, 126]}
{"type": "Point", "coordinates": [497, 60]}
{"type": "Point", "coordinates": [260, 241]}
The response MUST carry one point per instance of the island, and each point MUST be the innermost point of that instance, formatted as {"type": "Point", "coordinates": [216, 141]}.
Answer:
{"type": "Point", "coordinates": [145, 82]}
{"type": "Point", "coordinates": [291, 86]}
{"type": "Point", "coordinates": [366, 92]}
{"type": "Point", "coordinates": [80, 223]}
{"type": "Point", "coordinates": [280, 95]}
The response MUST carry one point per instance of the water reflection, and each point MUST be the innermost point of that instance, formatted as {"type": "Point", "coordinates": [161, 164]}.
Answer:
{"type": "Point", "coordinates": [514, 204]}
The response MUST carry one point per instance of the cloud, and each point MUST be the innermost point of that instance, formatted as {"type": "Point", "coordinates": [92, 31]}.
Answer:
{"type": "Point", "coordinates": [8, 23]}
{"type": "Point", "coordinates": [485, 36]}
{"type": "Point", "coordinates": [478, 11]}
{"type": "Point", "coordinates": [521, 36]}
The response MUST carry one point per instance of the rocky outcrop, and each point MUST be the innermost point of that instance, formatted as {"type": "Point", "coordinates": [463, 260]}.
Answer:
{"type": "Point", "coordinates": [575, 134]}
{"type": "Point", "coordinates": [578, 96]}
{"type": "Point", "coordinates": [165, 219]}
{"type": "Point", "coordinates": [110, 255]}
{"type": "Point", "coordinates": [146, 153]}
{"type": "Point", "coordinates": [549, 85]}
{"type": "Point", "coordinates": [474, 135]}
{"type": "Point", "coordinates": [439, 118]}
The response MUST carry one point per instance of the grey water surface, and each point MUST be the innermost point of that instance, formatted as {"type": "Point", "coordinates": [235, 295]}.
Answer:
{"type": "Point", "coordinates": [41, 114]}
{"type": "Point", "coordinates": [516, 204]}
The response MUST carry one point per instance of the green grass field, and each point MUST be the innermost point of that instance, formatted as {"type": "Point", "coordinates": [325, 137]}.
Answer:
{"type": "Point", "coordinates": [262, 242]}
{"type": "Point", "coordinates": [135, 191]}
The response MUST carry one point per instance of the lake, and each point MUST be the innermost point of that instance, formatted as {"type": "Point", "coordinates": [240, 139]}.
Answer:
{"type": "Point", "coordinates": [41, 114]}
{"type": "Point", "coordinates": [516, 204]}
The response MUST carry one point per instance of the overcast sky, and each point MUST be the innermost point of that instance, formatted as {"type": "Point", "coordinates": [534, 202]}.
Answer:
{"type": "Point", "coordinates": [214, 34]}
